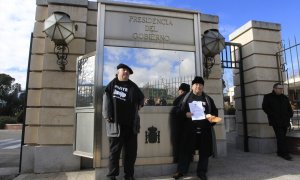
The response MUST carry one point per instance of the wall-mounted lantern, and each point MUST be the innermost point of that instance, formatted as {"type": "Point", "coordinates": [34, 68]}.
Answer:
{"type": "Point", "coordinates": [212, 44]}
{"type": "Point", "coordinates": [60, 29]}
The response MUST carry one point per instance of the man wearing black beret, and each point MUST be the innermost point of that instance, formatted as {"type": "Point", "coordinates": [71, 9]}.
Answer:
{"type": "Point", "coordinates": [197, 134]}
{"type": "Point", "coordinates": [124, 66]}
{"type": "Point", "coordinates": [121, 101]}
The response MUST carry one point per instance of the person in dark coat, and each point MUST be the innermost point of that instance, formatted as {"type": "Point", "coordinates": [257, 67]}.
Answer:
{"type": "Point", "coordinates": [279, 111]}
{"type": "Point", "coordinates": [175, 122]}
{"type": "Point", "coordinates": [182, 90]}
{"type": "Point", "coordinates": [198, 133]}
{"type": "Point", "coordinates": [121, 101]}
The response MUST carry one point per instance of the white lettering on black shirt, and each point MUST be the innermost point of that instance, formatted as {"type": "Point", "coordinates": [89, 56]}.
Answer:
{"type": "Point", "coordinates": [120, 92]}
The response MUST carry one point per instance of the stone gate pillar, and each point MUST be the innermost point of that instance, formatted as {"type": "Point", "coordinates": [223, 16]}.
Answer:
{"type": "Point", "coordinates": [260, 41]}
{"type": "Point", "coordinates": [213, 86]}
{"type": "Point", "coordinates": [49, 131]}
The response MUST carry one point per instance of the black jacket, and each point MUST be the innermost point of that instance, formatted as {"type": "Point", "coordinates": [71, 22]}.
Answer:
{"type": "Point", "coordinates": [179, 99]}
{"type": "Point", "coordinates": [207, 142]}
{"type": "Point", "coordinates": [109, 108]}
{"type": "Point", "coordinates": [278, 109]}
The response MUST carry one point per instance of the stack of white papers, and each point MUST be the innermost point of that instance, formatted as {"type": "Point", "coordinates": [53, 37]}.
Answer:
{"type": "Point", "coordinates": [197, 110]}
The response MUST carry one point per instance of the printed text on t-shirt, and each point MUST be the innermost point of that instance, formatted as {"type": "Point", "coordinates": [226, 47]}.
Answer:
{"type": "Point", "coordinates": [120, 92]}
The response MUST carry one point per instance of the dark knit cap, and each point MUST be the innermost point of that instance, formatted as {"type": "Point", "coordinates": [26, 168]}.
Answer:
{"type": "Point", "coordinates": [185, 87]}
{"type": "Point", "coordinates": [125, 66]}
{"type": "Point", "coordinates": [277, 85]}
{"type": "Point", "coordinates": [198, 79]}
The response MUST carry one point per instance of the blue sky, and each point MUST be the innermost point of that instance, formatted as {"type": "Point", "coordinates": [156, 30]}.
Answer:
{"type": "Point", "coordinates": [235, 13]}
{"type": "Point", "coordinates": [17, 21]}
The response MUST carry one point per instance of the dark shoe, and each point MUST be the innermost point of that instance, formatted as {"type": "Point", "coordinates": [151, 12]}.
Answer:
{"type": "Point", "coordinates": [111, 178]}
{"type": "Point", "coordinates": [129, 178]}
{"type": "Point", "coordinates": [202, 176]}
{"type": "Point", "coordinates": [177, 175]}
{"type": "Point", "coordinates": [286, 157]}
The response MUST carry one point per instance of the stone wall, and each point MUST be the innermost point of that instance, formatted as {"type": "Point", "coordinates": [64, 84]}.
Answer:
{"type": "Point", "coordinates": [213, 85]}
{"type": "Point", "coordinates": [49, 131]}
{"type": "Point", "coordinates": [260, 41]}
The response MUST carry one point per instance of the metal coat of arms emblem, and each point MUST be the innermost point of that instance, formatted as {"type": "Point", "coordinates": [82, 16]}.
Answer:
{"type": "Point", "coordinates": [152, 135]}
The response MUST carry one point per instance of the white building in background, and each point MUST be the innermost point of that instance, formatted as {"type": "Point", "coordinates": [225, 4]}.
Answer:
{"type": "Point", "coordinates": [231, 95]}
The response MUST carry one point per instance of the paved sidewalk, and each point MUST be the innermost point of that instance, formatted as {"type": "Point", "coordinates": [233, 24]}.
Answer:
{"type": "Point", "coordinates": [238, 165]}
{"type": "Point", "coordinates": [10, 142]}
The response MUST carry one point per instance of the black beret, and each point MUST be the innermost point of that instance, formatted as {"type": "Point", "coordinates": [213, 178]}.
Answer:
{"type": "Point", "coordinates": [185, 87]}
{"type": "Point", "coordinates": [199, 80]}
{"type": "Point", "coordinates": [125, 66]}
{"type": "Point", "coordinates": [277, 84]}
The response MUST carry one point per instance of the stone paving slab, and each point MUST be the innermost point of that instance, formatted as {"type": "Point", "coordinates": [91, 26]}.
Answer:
{"type": "Point", "coordinates": [238, 165]}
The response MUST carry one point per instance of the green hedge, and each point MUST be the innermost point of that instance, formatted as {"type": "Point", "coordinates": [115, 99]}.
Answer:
{"type": "Point", "coordinates": [7, 120]}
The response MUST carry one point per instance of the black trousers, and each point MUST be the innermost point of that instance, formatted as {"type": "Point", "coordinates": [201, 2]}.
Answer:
{"type": "Point", "coordinates": [280, 133]}
{"type": "Point", "coordinates": [202, 165]}
{"type": "Point", "coordinates": [128, 142]}
{"type": "Point", "coordinates": [176, 134]}
{"type": "Point", "coordinates": [197, 141]}
{"type": "Point", "coordinates": [183, 165]}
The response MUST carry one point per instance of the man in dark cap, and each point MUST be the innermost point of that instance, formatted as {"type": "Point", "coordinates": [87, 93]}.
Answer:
{"type": "Point", "coordinates": [121, 101]}
{"type": "Point", "coordinates": [279, 111]}
{"type": "Point", "coordinates": [198, 133]}
{"type": "Point", "coordinates": [182, 90]}
{"type": "Point", "coordinates": [124, 66]}
{"type": "Point", "coordinates": [175, 122]}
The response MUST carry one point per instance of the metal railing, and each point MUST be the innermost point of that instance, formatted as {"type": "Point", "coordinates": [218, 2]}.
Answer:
{"type": "Point", "coordinates": [288, 61]}
{"type": "Point", "coordinates": [163, 91]}
{"type": "Point", "coordinates": [85, 95]}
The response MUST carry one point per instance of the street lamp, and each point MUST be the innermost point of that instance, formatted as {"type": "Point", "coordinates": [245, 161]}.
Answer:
{"type": "Point", "coordinates": [60, 29]}
{"type": "Point", "coordinates": [212, 44]}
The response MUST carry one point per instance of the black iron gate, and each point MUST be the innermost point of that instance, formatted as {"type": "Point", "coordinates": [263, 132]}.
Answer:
{"type": "Point", "coordinates": [231, 57]}
{"type": "Point", "coordinates": [288, 62]}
